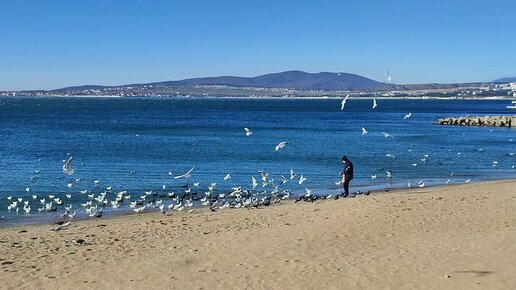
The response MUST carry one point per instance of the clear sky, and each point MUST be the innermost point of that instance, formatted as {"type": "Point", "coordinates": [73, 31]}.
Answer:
{"type": "Point", "coordinates": [57, 43]}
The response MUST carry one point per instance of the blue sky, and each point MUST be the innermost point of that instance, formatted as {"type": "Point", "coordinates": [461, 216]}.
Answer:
{"type": "Point", "coordinates": [52, 44]}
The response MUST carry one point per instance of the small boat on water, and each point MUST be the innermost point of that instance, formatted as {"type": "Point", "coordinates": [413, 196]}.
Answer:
{"type": "Point", "coordinates": [513, 106]}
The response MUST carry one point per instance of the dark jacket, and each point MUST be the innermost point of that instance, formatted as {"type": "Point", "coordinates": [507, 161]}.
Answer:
{"type": "Point", "coordinates": [348, 170]}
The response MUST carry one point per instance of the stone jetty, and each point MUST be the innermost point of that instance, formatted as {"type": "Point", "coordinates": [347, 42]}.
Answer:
{"type": "Point", "coordinates": [487, 121]}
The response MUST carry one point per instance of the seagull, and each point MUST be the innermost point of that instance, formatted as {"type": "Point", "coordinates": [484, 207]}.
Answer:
{"type": "Point", "coordinates": [467, 180]}
{"type": "Point", "coordinates": [364, 131]}
{"type": "Point", "coordinates": [227, 177]}
{"type": "Point", "coordinates": [283, 179]}
{"type": "Point", "coordinates": [387, 135]}
{"type": "Point", "coordinates": [67, 166]}
{"type": "Point", "coordinates": [264, 175]}
{"type": "Point", "coordinates": [302, 179]}
{"type": "Point", "coordinates": [60, 227]}
{"type": "Point", "coordinates": [281, 145]}
{"type": "Point", "coordinates": [421, 183]}
{"type": "Point", "coordinates": [374, 103]}
{"type": "Point", "coordinates": [373, 176]}
{"type": "Point", "coordinates": [186, 175]}
{"type": "Point", "coordinates": [390, 155]}
{"type": "Point", "coordinates": [388, 77]}
{"type": "Point", "coordinates": [292, 174]}
{"type": "Point", "coordinates": [343, 104]}
{"type": "Point", "coordinates": [308, 192]}
{"type": "Point", "coordinates": [248, 132]}
{"type": "Point", "coordinates": [407, 116]}
{"type": "Point", "coordinates": [255, 183]}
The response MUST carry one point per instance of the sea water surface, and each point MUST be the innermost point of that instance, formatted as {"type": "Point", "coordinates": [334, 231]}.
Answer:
{"type": "Point", "coordinates": [139, 144]}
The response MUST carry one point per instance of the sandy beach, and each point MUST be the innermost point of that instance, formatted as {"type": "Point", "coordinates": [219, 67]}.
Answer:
{"type": "Point", "coordinates": [453, 237]}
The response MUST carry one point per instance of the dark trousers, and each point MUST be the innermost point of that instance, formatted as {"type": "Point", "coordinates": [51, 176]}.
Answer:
{"type": "Point", "coordinates": [345, 184]}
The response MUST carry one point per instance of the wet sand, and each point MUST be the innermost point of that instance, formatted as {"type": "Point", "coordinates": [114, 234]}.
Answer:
{"type": "Point", "coordinates": [453, 237]}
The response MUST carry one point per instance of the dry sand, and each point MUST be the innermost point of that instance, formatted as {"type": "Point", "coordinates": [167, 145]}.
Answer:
{"type": "Point", "coordinates": [455, 237]}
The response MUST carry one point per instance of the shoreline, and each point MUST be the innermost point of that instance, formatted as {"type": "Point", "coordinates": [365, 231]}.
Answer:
{"type": "Point", "coordinates": [378, 189]}
{"type": "Point", "coordinates": [451, 237]}
{"type": "Point", "coordinates": [183, 97]}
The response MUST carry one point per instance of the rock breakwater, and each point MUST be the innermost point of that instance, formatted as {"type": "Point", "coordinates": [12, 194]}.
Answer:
{"type": "Point", "coordinates": [487, 121]}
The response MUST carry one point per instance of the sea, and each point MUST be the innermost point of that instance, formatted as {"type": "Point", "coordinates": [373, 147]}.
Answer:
{"type": "Point", "coordinates": [140, 144]}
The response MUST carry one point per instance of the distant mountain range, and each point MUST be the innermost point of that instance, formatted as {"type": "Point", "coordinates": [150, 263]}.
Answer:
{"type": "Point", "coordinates": [289, 79]}
{"type": "Point", "coordinates": [505, 80]}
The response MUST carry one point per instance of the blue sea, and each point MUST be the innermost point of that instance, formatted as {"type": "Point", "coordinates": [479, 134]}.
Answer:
{"type": "Point", "coordinates": [139, 144]}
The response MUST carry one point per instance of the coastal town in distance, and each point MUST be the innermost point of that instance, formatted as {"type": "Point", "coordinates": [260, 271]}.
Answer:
{"type": "Point", "coordinates": [310, 86]}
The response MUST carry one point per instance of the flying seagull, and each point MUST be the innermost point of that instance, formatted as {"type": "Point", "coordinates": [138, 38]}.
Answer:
{"type": "Point", "coordinates": [364, 131]}
{"type": "Point", "coordinates": [302, 179]}
{"type": "Point", "coordinates": [292, 174]}
{"type": "Point", "coordinates": [407, 116]}
{"type": "Point", "coordinates": [67, 166]}
{"type": "Point", "coordinates": [374, 103]}
{"type": "Point", "coordinates": [227, 177]}
{"type": "Point", "coordinates": [343, 104]}
{"type": "Point", "coordinates": [248, 132]}
{"type": "Point", "coordinates": [281, 145]}
{"type": "Point", "coordinates": [387, 135]}
{"type": "Point", "coordinates": [186, 175]}
{"type": "Point", "coordinates": [255, 183]}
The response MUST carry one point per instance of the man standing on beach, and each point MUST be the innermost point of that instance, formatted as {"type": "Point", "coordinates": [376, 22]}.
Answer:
{"type": "Point", "coordinates": [347, 175]}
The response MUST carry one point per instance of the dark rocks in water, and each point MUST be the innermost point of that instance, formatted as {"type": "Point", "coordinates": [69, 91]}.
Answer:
{"type": "Point", "coordinates": [486, 121]}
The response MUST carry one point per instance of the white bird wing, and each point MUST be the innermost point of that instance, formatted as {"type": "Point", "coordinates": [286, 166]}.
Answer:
{"type": "Point", "coordinates": [292, 174]}
{"type": "Point", "coordinates": [281, 145]}
{"type": "Point", "coordinates": [343, 104]}
{"type": "Point", "coordinates": [385, 134]}
{"type": "Point", "coordinates": [255, 183]}
{"type": "Point", "coordinates": [67, 167]}
{"type": "Point", "coordinates": [186, 175]}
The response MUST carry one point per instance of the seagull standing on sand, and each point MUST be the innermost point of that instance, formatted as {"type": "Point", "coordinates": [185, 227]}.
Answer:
{"type": "Point", "coordinates": [67, 166]}
{"type": "Point", "coordinates": [248, 132]}
{"type": "Point", "coordinates": [364, 131]}
{"type": "Point", "coordinates": [281, 145]}
{"type": "Point", "coordinates": [343, 103]}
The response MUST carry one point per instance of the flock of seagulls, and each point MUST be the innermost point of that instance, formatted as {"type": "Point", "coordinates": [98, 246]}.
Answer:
{"type": "Point", "coordinates": [263, 191]}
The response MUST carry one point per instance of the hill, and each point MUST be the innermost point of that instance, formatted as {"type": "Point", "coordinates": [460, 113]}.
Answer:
{"type": "Point", "coordinates": [505, 80]}
{"type": "Point", "coordinates": [288, 79]}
